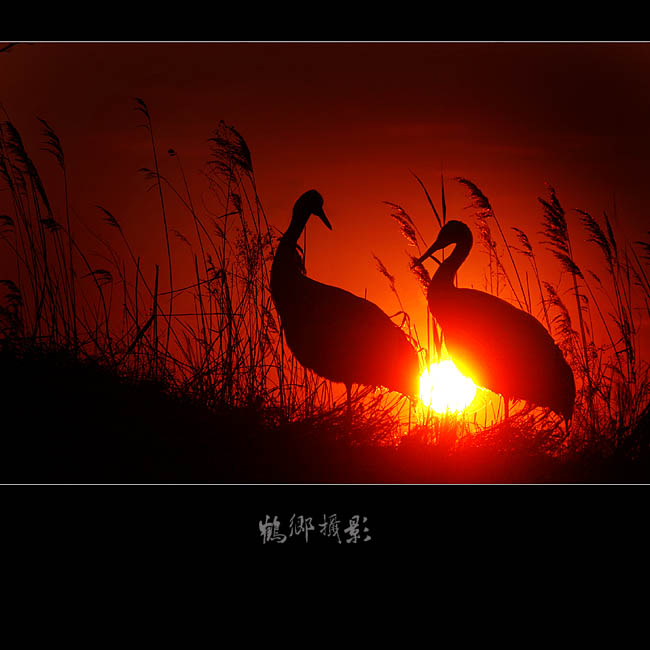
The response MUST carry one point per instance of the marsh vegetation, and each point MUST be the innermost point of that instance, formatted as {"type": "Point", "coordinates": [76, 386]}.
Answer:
{"type": "Point", "coordinates": [115, 370]}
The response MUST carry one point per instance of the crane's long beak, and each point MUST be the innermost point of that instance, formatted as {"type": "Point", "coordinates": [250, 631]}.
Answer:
{"type": "Point", "coordinates": [324, 219]}
{"type": "Point", "coordinates": [434, 247]}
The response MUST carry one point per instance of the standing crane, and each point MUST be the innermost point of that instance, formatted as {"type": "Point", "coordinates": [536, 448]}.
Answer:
{"type": "Point", "coordinates": [340, 336]}
{"type": "Point", "coordinates": [499, 346]}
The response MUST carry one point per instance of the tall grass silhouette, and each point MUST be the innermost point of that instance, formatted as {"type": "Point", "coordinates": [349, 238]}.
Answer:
{"type": "Point", "coordinates": [216, 340]}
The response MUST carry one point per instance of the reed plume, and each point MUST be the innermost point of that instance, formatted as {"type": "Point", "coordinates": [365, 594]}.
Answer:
{"type": "Point", "coordinates": [484, 214]}
{"type": "Point", "coordinates": [558, 242]}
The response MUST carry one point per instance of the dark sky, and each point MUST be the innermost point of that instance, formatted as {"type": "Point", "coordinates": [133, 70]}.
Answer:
{"type": "Point", "coordinates": [353, 121]}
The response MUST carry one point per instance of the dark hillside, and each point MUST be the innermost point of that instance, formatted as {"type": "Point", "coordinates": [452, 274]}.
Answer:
{"type": "Point", "coordinates": [71, 421]}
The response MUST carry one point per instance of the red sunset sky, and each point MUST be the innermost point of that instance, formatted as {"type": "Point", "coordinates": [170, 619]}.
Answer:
{"type": "Point", "coordinates": [351, 120]}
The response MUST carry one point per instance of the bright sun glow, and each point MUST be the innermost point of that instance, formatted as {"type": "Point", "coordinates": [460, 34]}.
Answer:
{"type": "Point", "coordinates": [444, 389]}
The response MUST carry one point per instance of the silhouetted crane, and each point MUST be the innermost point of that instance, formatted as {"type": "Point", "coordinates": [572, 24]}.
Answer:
{"type": "Point", "coordinates": [499, 346]}
{"type": "Point", "coordinates": [338, 335]}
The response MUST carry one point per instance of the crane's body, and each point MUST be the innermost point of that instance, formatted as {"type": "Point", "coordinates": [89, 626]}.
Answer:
{"type": "Point", "coordinates": [340, 336]}
{"type": "Point", "coordinates": [500, 347]}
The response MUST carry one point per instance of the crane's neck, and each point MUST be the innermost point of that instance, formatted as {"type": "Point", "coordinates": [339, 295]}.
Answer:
{"type": "Point", "coordinates": [288, 266]}
{"type": "Point", "coordinates": [448, 269]}
{"type": "Point", "coordinates": [298, 222]}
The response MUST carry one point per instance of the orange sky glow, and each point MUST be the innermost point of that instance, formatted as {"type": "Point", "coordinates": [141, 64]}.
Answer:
{"type": "Point", "coordinates": [354, 121]}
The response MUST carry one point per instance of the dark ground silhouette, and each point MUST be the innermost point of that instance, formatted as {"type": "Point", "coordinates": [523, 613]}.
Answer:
{"type": "Point", "coordinates": [67, 421]}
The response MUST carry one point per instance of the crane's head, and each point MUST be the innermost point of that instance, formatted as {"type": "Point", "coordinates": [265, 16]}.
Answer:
{"type": "Point", "coordinates": [311, 202]}
{"type": "Point", "coordinates": [453, 232]}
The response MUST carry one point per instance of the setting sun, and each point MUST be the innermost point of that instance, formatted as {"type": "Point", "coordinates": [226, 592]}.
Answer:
{"type": "Point", "coordinates": [444, 389]}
